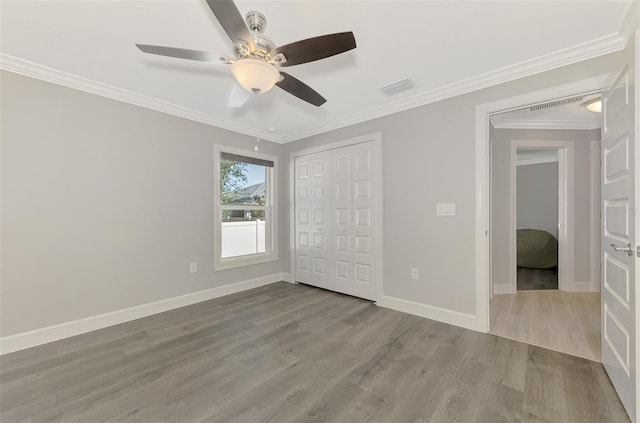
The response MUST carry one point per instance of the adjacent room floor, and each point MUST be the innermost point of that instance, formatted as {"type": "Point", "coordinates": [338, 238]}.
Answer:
{"type": "Point", "coordinates": [562, 321]}
{"type": "Point", "coordinates": [536, 279]}
{"type": "Point", "coordinates": [287, 352]}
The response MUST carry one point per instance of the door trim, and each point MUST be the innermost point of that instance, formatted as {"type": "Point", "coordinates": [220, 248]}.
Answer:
{"type": "Point", "coordinates": [637, 196]}
{"type": "Point", "coordinates": [595, 217]}
{"type": "Point", "coordinates": [376, 139]}
{"type": "Point", "coordinates": [482, 223]}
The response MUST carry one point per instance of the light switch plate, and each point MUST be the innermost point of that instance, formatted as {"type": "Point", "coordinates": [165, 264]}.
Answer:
{"type": "Point", "coordinates": [446, 209]}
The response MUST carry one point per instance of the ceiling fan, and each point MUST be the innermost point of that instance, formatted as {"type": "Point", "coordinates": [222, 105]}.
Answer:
{"type": "Point", "coordinates": [257, 59]}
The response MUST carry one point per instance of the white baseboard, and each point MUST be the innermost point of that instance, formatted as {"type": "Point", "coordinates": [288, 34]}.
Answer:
{"type": "Point", "coordinates": [456, 318]}
{"type": "Point", "coordinates": [48, 334]}
{"type": "Point", "coordinates": [581, 287]}
{"type": "Point", "coordinates": [287, 277]}
{"type": "Point", "coordinates": [503, 288]}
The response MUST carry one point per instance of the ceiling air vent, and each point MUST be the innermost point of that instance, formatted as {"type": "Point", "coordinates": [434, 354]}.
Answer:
{"type": "Point", "coordinates": [397, 87]}
{"type": "Point", "coordinates": [556, 103]}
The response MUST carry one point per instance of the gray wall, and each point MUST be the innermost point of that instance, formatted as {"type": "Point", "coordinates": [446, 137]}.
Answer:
{"type": "Point", "coordinates": [500, 197]}
{"type": "Point", "coordinates": [428, 155]}
{"type": "Point", "coordinates": [104, 204]}
{"type": "Point", "coordinates": [537, 197]}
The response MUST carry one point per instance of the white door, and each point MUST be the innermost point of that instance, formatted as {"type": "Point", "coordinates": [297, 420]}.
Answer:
{"type": "Point", "coordinates": [311, 205]}
{"type": "Point", "coordinates": [363, 235]}
{"type": "Point", "coordinates": [621, 233]}
{"type": "Point", "coordinates": [335, 220]}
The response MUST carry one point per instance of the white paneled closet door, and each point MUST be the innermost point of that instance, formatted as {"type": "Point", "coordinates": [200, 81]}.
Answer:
{"type": "Point", "coordinates": [335, 220]}
{"type": "Point", "coordinates": [364, 213]}
{"type": "Point", "coordinates": [342, 218]}
{"type": "Point", "coordinates": [311, 204]}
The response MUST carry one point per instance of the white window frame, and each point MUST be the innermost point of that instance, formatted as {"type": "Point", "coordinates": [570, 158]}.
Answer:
{"type": "Point", "coordinates": [271, 213]}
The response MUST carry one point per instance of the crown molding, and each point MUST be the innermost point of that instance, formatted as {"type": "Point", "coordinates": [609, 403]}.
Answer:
{"type": "Point", "coordinates": [631, 20]}
{"type": "Point", "coordinates": [564, 57]}
{"type": "Point", "coordinates": [45, 73]}
{"type": "Point", "coordinates": [523, 69]}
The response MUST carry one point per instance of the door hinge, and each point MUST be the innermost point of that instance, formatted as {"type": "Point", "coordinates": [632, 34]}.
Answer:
{"type": "Point", "coordinates": [638, 251]}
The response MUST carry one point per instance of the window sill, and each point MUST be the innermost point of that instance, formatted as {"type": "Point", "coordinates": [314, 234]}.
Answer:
{"type": "Point", "coordinates": [243, 261]}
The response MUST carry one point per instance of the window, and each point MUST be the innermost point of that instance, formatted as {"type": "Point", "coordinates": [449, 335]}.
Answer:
{"type": "Point", "coordinates": [244, 231]}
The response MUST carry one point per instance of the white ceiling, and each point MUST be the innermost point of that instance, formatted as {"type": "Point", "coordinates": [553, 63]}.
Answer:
{"type": "Point", "coordinates": [568, 116]}
{"type": "Point", "coordinates": [445, 47]}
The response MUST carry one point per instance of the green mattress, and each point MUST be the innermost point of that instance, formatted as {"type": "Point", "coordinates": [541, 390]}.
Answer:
{"type": "Point", "coordinates": [537, 249]}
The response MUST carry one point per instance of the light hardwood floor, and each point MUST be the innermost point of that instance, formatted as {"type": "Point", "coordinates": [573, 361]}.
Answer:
{"type": "Point", "coordinates": [285, 353]}
{"type": "Point", "coordinates": [562, 321]}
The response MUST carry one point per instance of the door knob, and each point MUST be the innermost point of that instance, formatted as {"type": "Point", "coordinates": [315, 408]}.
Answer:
{"type": "Point", "coordinates": [627, 249]}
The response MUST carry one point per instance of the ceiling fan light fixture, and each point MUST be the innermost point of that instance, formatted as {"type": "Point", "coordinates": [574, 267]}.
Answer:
{"type": "Point", "coordinates": [255, 75]}
{"type": "Point", "coordinates": [594, 106]}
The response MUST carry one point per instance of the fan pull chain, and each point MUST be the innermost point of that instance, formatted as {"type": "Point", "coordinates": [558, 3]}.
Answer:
{"type": "Point", "coordinates": [259, 101]}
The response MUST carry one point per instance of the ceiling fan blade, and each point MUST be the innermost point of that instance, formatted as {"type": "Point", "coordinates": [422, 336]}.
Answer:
{"type": "Point", "coordinates": [316, 48]}
{"type": "Point", "coordinates": [183, 53]}
{"type": "Point", "coordinates": [232, 22]}
{"type": "Point", "coordinates": [238, 96]}
{"type": "Point", "coordinates": [300, 89]}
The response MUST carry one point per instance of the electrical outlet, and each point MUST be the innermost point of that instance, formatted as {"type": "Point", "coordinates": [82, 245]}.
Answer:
{"type": "Point", "coordinates": [193, 267]}
{"type": "Point", "coordinates": [415, 273]}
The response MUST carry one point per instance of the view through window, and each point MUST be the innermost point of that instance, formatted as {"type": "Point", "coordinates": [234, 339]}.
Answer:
{"type": "Point", "coordinates": [244, 205]}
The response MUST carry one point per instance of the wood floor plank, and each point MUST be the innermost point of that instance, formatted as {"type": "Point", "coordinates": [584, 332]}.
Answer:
{"type": "Point", "coordinates": [544, 394]}
{"type": "Point", "coordinates": [383, 396]}
{"type": "Point", "coordinates": [302, 395]}
{"type": "Point", "coordinates": [562, 321]}
{"type": "Point", "coordinates": [501, 404]}
{"type": "Point", "coordinates": [292, 353]}
{"type": "Point", "coordinates": [426, 392]}
{"type": "Point", "coordinates": [608, 403]}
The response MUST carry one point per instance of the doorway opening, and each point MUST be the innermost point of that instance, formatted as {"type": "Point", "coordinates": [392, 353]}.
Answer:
{"type": "Point", "coordinates": [539, 200]}
{"type": "Point", "coordinates": [545, 225]}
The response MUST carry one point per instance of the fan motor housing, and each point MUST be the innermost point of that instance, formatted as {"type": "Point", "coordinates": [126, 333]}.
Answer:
{"type": "Point", "coordinates": [263, 47]}
{"type": "Point", "coordinates": [257, 23]}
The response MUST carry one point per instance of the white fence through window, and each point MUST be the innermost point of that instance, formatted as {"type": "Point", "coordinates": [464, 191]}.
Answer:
{"type": "Point", "coordinates": [242, 238]}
